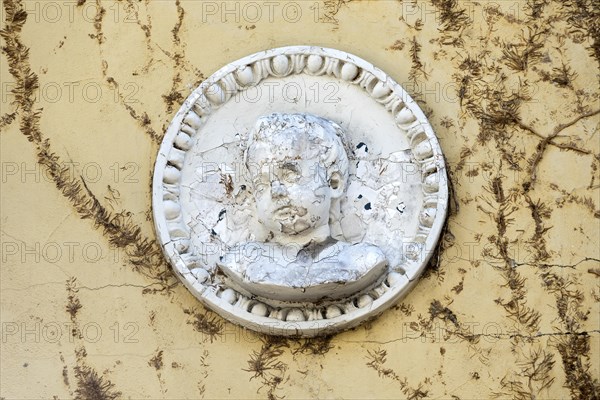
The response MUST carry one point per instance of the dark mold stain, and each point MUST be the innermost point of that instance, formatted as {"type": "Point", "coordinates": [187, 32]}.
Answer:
{"type": "Point", "coordinates": [91, 386]}
{"type": "Point", "coordinates": [377, 360]}
{"type": "Point", "coordinates": [436, 310]}
{"type": "Point", "coordinates": [98, 19]}
{"type": "Point", "coordinates": [206, 323]}
{"type": "Point", "coordinates": [157, 360]}
{"type": "Point", "coordinates": [144, 253]}
{"type": "Point", "coordinates": [417, 68]}
{"type": "Point", "coordinates": [73, 303]}
{"type": "Point", "coordinates": [314, 346]}
{"type": "Point", "coordinates": [266, 366]}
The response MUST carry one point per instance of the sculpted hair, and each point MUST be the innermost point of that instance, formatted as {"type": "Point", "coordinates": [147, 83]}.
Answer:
{"type": "Point", "coordinates": [306, 134]}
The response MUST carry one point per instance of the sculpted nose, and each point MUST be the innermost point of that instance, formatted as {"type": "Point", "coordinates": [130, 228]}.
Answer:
{"type": "Point", "coordinates": [278, 190]}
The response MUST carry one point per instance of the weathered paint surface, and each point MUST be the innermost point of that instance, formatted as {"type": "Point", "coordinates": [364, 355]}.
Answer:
{"type": "Point", "coordinates": [509, 308]}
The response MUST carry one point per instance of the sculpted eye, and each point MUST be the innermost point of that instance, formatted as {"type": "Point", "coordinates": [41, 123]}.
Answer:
{"type": "Point", "coordinates": [291, 176]}
{"type": "Point", "coordinates": [290, 172]}
{"type": "Point", "coordinates": [261, 182]}
{"type": "Point", "coordinates": [260, 187]}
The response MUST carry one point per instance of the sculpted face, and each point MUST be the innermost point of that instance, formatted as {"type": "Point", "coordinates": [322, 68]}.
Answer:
{"type": "Point", "coordinates": [293, 185]}
{"type": "Point", "coordinates": [292, 195]}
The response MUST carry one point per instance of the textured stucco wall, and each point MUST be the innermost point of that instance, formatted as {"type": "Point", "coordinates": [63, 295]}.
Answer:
{"type": "Point", "coordinates": [509, 307]}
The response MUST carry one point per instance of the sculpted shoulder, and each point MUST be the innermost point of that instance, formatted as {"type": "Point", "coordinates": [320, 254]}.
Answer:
{"type": "Point", "coordinates": [238, 258]}
{"type": "Point", "coordinates": [363, 256]}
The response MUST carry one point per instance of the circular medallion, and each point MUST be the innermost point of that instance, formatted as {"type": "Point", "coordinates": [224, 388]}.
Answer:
{"type": "Point", "coordinates": [299, 191]}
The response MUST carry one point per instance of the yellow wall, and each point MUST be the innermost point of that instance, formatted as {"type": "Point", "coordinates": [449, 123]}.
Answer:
{"type": "Point", "coordinates": [510, 308]}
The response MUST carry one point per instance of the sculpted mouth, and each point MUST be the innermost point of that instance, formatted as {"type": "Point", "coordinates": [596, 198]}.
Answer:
{"type": "Point", "coordinates": [283, 211]}
{"type": "Point", "coordinates": [288, 210]}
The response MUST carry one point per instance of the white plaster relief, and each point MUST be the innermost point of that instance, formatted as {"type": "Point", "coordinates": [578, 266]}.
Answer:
{"type": "Point", "coordinates": [391, 209]}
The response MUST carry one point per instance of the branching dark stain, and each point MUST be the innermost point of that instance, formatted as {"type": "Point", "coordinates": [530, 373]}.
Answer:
{"type": "Point", "coordinates": [583, 17]}
{"type": "Point", "coordinates": [562, 76]}
{"type": "Point", "coordinates": [536, 158]}
{"type": "Point", "coordinates": [314, 346]}
{"type": "Point", "coordinates": [452, 17]}
{"type": "Point", "coordinates": [206, 323]}
{"type": "Point", "coordinates": [487, 95]}
{"type": "Point", "coordinates": [406, 308]}
{"type": "Point", "coordinates": [453, 326]}
{"type": "Point", "coordinates": [98, 18]}
{"type": "Point", "coordinates": [574, 349]}
{"type": "Point", "coordinates": [539, 212]}
{"type": "Point", "coordinates": [7, 119]}
{"type": "Point", "coordinates": [397, 46]}
{"type": "Point", "coordinates": [534, 377]}
{"type": "Point", "coordinates": [377, 359]}
{"type": "Point", "coordinates": [143, 253]}
{"type": "Point", "coordinates": [484, 94]}
{"type": "Point", "coordinates": [157, 360]}
{"type": "Point", "coordinates": [142, 118]}
{"type": "Point", "coordinates": [515, 307]}
{"type": "Point", "coordinates": [266, 366]}
{"type": "Point", "coordinates": [459, 287]}
{"type": "Point", "coordinates": [175, 97]}
{"type": "Point", "coordinates": [65, 375]}
{"type": "Point", "coordinates": [227, 182]}
{"type": "Point", "coordinates": [417, 67]}
{"type": "Point", "coordinates": [73, 303]}
{"type": "Point", "coordinates": [520, 56]}
{"type": "Point", "coordinates": [570, 198]}
{"type": "Point", "coordinates": [535, 8]}
{"type": "Point", "coordinates": [91, 386]}
{"type": "Point", "coordinates": [436, 310]}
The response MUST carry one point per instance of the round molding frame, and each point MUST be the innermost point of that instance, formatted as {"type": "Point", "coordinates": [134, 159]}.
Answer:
{"type": "Point", "coordinates": [276, 317]}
